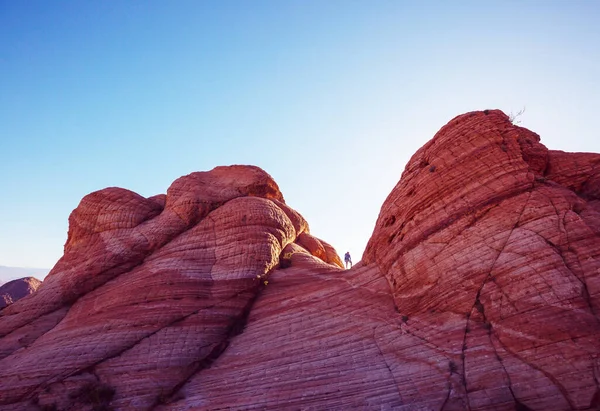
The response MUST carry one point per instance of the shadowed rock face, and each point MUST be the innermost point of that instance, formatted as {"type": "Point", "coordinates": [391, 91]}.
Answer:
{"type": "Point", "coordinates": [17, 289]}
{"type": "Point", "coordinates": [478, 290]}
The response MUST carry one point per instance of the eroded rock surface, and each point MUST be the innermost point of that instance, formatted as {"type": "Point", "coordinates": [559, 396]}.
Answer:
{"type": "Point", "coordinates": [15, 290]}
{"type": "Point", "coordinates": [491, 245]}
{"type": "Point", "coordinates": [478, 290]}
{"type": "Point", "coordinates": [148, 293]}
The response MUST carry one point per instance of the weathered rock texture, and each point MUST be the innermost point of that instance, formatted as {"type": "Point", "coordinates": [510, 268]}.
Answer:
{"type": "Point", "coordinates": [491, 245]}
{"type": "Point", "coordinates": [478, 290]}
{"type": "Point", "coordinates": [17, 289]}
{"type": "Point", "coordinates": [149, 291]}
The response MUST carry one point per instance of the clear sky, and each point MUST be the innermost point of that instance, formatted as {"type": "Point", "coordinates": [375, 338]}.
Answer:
{"type": "Point", "coordinates": [330, 97]}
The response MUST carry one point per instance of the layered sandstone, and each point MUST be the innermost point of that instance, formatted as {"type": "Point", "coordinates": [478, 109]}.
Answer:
{"type": "Point", "coordinates": [478, 290]}
{"type": "Point", "coordinates": [491, 245]}
{"type": "Point", "coordinates": [148, 292]}
{"type": "Point", "coordinates": [15, 290]}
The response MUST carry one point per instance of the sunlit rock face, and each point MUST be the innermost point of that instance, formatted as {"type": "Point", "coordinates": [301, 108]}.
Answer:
{"type": "Point", "coordinates": [17, 289]}
{"type": "Point", "coordinates": [491, 244]}
{"type": "Point", "coordinates": [149, 291]}
{"type": "Point", "coordinates": [478, 290]}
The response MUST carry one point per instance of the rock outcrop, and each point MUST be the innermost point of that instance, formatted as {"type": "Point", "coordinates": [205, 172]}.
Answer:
{"type": "Point", "coordinates": [478, 290]}
{"type": "Point", "coordinates": [15, 290]}
{"type": "Point", "coordinates": [490, 244]}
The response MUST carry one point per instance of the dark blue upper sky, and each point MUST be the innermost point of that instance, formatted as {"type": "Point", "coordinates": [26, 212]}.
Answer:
{"type": "Point", "coordinates": [330, 97]}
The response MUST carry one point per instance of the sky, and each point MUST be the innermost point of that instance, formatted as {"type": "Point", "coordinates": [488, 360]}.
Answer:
{"type": "Point", "coordinates": [330, 97]}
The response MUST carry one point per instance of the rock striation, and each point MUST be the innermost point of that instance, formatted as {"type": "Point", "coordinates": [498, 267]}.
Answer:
{"type": "Point", "coordinates": [490, 244]}
{"type": "Point", "coordinates": [478, 290]}
{"type": "Point", "coordinates": [17, 289]}
{"type": "Point", "coordinates": [149, 291]}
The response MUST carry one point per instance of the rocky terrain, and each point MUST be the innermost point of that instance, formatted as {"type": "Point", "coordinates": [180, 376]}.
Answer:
{"type": "Point", "coordinates": [478, 290]}
{"type": "Point", "coordinates": [17, 289]}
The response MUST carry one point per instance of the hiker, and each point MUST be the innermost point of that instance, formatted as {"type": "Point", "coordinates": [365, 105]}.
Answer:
{"type": "Point", "coordinates": [348, 259]}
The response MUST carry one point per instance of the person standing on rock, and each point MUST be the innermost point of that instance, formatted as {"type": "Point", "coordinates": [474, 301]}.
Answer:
{"type": "Point", "coordinates": [348, 259]}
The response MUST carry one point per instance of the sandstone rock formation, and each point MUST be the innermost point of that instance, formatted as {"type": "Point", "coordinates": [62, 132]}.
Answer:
{"type": "Point", "coordinates": [478, 290]}
{"type": "Point", "coordinates": [17, 289]}
{"type": "Point", "coordinates": [493, 241]}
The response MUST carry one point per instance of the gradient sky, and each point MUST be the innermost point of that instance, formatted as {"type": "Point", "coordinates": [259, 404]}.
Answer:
{"type": "Point", "coordinates": [330, 97]}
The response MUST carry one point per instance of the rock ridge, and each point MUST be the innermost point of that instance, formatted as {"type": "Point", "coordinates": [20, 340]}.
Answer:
{"type": "Point", "coordinates": [478, 290]}
{"type": "Point", "coordinates": [194, 260]}
{"type": "Point", "coordinates": [17, 289]}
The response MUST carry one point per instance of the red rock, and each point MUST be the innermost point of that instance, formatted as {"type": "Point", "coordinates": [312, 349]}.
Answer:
{"type": "Point", "coordinates": [494, 239]}
{"type": "Point", "coordinates": [17, 289]}
{"type": "Point", "coordinates": [478, 290]}
{"type": "Point", "coordinates": [319, 248]}
{"type": "Point", "coordinates": [135, 275]}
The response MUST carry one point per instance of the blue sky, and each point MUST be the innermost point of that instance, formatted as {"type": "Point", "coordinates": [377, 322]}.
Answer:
{"type": "Point", "coordinates": [330, 97]}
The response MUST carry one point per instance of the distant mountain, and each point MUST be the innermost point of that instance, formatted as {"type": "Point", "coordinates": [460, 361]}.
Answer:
{"type": "Point", "coordinates": [14, 290]}
{"type": "Point", "coordinates": [12, 273]}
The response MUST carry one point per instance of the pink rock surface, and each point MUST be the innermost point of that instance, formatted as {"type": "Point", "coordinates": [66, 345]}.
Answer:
{"type": "Point", "coordinates": [494, 240]}
{"type": "Point", "coordinates": [145, 296]}
{"type": "Point", "coordinates": [17, 289]}
{"type": "Point", "coordinates": [478, 290]}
